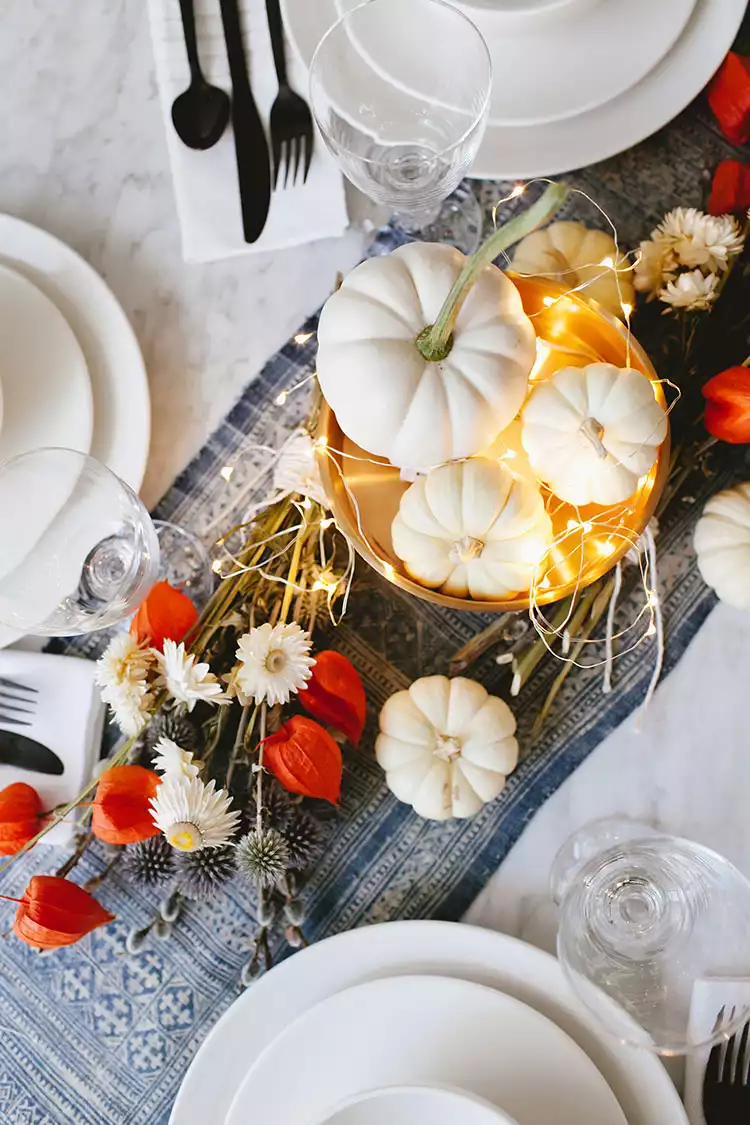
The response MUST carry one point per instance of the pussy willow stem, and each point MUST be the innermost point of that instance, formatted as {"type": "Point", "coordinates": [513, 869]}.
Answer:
{"type": "Point", "coordinates": [435, 341]}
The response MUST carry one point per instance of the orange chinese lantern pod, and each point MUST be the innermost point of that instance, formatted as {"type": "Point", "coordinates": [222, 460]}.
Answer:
{"type": "Point", "coordinates": [729, 97]}
{"type": "Point", "coordinates": [728, 405]}
{"type": "Point", "coordinates": [304, 758]}
{"type": "Point", "coordinates": [20, 806]}
{"type": "Point", "coordinates": [335, 695]}
{"type": "Point", "coordinates": [167, 614]}
{"type": "Point", "coordinates": [54, 912]}
{"type": "Point", "coordinates": [730, 190]}
{"type": "Point", "coordinates": [121, 811]}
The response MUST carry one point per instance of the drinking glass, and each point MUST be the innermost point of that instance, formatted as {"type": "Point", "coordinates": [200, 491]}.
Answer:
{"type": "Point", "coordinates": [643, 917]}
{"type": "Point", "coordinates": [78, 550]}
{"type": "Point", "coordinates": [400, 90]}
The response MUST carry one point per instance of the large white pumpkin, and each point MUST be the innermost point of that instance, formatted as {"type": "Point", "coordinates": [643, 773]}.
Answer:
{"type": "Point", "coordinates": [446, 746]}
{"type": "Point", "coordinates": [389, 399]}
{"type": "Point", "coordinates": [722, 543]}
{"type": "Point", "coordinates": [592, 432]}
{"type": "Point", "coordinates": [472, 529]}
{"type": "Point", "coordinates": [572, 254]}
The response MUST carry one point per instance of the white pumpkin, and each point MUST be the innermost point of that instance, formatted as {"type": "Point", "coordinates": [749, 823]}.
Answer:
{"type": "Point", "coordinates": [592, 432]}
{"type": "Point", "coordinates": [572, 254]}
{"type": "Point", "coordinates": [722, 543]}
{"type": "Point", "coordinates": [446, 746]}
{"type": "Point", "coordinates": [389, 399]}
{"type": "Point", "coordinates": [473, 529]}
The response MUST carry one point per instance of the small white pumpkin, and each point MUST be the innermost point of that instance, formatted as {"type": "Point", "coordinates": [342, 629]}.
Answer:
{"type": "Point", "coordinates": [446, 746]}
{"type": "Point", "coordinates": [386, 396]}
{"type": "Point", "coordinates": [473, 529]}
{"type": "Point", "coordinates": [592, 432]}
{"type": "Point", "coordinates": [722, 543]}
{"type": "Point", "coordinates": [572, 254]}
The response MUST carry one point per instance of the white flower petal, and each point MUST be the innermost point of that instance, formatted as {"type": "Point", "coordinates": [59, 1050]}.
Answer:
{"type": "Point", "coordinates": [172, 760]}
{"type": "Point", "coordinates": [185, 680]}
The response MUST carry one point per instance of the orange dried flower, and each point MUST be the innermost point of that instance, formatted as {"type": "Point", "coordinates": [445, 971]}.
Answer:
{"type": "Point", "coordinates": [55, 912]}
{"type": "Point", "coordinates": [121, 811]}
{"type": "Point", "coordinates": [304, 758]}
{"type": "Point", "coordinates": [167, 614]}
{"type": "Point", "coordinates": [20, 806]}
{"type": "Point", "coordinates": [335, 695]}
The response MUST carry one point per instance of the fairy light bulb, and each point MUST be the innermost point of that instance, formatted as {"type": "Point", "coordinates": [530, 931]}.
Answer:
{"type": "Point", "coordinates": [519, 189]}
{"type": "Point", "coordinates": [226, 472]}
{"type": "Point", "coordinates": [543, 352]}
{"type": "Point", "coordinates": [302, 337]}
{"type": "Point", "coordinates": [281, 399]}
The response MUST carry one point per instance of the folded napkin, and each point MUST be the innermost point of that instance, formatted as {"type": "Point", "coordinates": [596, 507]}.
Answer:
{"type": "Point", "coordinates": [67, 717]}
{"type": "Point", "coordinates": [709, 997]}
{"type": "Point", "coordinates": [205, 183]}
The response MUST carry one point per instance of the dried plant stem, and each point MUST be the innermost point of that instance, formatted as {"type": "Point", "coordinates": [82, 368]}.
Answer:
{"type": "Point", "coordinates": [536, 651]}
{"type": "Point", "coordinates": [593, 606]}
{"type": "Point", "coordinates": [84, 844]}
{"type": "Point", "coordinates": [96, 880]}
{"type": "Point", "coordinates": [469, 653]}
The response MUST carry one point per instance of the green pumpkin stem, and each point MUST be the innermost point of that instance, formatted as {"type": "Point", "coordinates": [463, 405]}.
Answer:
{"type": "Point", "coordinates": [435, 341]}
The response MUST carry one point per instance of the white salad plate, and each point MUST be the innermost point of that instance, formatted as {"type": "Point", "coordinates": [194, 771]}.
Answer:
{"type": "Point", "coordinates": [416, 1105]}
{"type": "Point", "coordinates": [514, 151]}
{"type": "Point", "coordinates": [546, 69]}
{"type": "Point", "coordinates": [426, 1030]}
{"type": "Point", "coordinates": [121, 405]}
{"type": "Point", "coordinates": [637, 1079]}
{"type": "Point", "coordinates": [46, 387]}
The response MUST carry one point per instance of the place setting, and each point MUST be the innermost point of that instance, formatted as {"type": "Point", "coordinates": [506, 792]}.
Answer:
{"type": "Point", "coordinates": [262, 747]}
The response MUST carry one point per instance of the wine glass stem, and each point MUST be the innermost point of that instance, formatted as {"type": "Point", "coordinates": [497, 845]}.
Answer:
{"type": "Point", "coordinates": [416, 220]}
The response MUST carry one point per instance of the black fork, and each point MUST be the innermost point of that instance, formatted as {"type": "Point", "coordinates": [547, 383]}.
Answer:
{"type": "Point", "coordinates": [292, 132]}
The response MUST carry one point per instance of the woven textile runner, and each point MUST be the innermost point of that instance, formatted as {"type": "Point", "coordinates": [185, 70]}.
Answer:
{"type": "Point", "coordinates": [92, 1036]}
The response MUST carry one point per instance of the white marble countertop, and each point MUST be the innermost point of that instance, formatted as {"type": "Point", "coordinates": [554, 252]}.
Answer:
{"type": "Point", "coordinates": [83, 155]}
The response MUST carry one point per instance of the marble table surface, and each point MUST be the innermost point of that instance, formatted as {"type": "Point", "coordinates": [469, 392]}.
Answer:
{"type": "Point", "coordinates": [83, 155]}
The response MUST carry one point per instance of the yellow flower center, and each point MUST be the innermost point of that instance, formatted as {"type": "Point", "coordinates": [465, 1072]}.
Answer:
{"type": "Point", "coordinates": [184, 836]}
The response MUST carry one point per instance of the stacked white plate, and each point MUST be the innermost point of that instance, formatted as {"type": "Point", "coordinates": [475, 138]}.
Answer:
{"type": "Point", "coordinates": [419, 1023]}
{"type": "Point", "coordinates": [574, 81]}
{"type": "Point", "coordinates": [71, 370]}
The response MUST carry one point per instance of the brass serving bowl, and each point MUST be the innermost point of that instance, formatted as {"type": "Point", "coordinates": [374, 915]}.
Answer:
{"type": "Point", "coordinates": [364, 496]}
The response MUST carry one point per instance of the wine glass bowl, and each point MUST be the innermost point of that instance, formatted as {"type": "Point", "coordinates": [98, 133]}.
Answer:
{"type": "Point", "coordinates": [400, 90]}
{"type": "Point", "coordinates": [643, 920]}
{"type": "Point", "coordinates": [78, 550]}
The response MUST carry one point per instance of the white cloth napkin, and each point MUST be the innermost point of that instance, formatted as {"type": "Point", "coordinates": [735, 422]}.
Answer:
{"type": "Point", "coordinates": [709, 997]}
{"type": "Point", "coordinates": [205, 183]}
{"type": "Point", "coordinates": [68, 716]}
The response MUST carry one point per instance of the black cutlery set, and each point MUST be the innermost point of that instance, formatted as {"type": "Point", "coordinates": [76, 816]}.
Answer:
{"type": "Point", "coordinates": [17, 706]}
{"type": "Point", "coordinates": [201, 114]}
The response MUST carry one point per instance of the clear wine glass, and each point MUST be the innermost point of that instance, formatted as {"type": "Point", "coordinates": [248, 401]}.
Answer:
{"type": "Point", "coordinates": [400, 90]}
{"type": "Point", "coordinates": [643, 917]}
{"type": "Point", "coordinates": [78, 550]}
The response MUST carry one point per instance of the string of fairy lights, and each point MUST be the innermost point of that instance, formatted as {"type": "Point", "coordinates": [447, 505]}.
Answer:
{"type": "Point", "coordinates": [570, 550]}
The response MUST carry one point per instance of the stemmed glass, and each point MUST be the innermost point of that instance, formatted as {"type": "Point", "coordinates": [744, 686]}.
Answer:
{"type": "Point", "coordinates": [400, 90]}
{"type": "Point", "coordinates": [643, 917]}
{"type": "Point", "coordinates": [78, 550]}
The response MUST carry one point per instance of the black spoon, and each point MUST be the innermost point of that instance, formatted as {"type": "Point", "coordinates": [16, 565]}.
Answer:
{"type": "Point", "coordinates": [201, 114]}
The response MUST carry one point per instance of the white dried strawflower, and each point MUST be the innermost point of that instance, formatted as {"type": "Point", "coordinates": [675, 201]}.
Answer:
{"type": "Point", "coordinates": [274, 663]}
{"type": "Point", "coordinates": [186, 681]}
{"type": "Point", "coordinates": [697, 240]}
{"type": "Point", "coordinates": [122, 672]}
{"type": "Point", "coordinates": [297, 468]}
{"type": "Point", "coordinates": [690, 291]}
{"type": "Point", "coordinates": [172, 760]}
{"type": "Point", "coordinates": [192, 815]}
{"type": "Point", "coordinates": [656, 265]}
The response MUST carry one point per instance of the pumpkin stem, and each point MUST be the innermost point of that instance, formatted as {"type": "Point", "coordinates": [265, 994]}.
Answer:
{"type": "Point", "coordinates": [465, 549]}
{"type": "Point", "coordinates": [594, 431]}
{"type": "Point", "coordinates": [435, 341]}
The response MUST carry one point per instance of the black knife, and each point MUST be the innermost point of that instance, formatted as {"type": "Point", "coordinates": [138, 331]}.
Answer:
{"type": "Point", "coordinates": [27, 754]}
{"type": "Point", "coordinates": [251, 146]}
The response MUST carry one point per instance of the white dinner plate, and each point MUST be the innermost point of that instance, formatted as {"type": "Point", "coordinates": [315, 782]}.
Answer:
{"type": "Point", "coordinates": [637, 1079]}
{"type": "Point", "coordinates": [519, 152]}
{"type": "Point", "coordinates": [426, 1029]}
{"type": "Point", "coordinates": [46, 386]}
{"type": "Point", "coordinates": [122, 414]}
{"type": "Point", "coordinates": [416, 1105]}
{"type": "Point", "coordinates": [545, 69]}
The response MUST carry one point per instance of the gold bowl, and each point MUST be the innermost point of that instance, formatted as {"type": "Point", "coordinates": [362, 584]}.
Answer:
{"type": "Point", "coordinates": [364, 492]}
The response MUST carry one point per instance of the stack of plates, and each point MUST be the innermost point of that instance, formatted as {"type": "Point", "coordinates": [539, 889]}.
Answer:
{"type": "Point", "coordinates": [71, 371]}
{"type": "Point", "coordinates": [419, 1023]}
{"type": "Point", "coordinates": [574, 81]}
